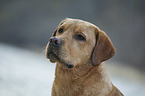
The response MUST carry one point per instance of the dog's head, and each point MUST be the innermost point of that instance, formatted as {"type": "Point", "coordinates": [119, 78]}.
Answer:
{"type": "Point", "coordinates": [78, 42]}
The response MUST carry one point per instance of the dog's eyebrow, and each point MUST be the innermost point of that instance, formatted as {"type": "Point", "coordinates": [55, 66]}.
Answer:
{"type": "Point", "coordinates": [81, 32]}
{"type": "Point", "coordinates": [61, 23]}
{"type": "Point", "coordinates": [84, 33]}
{"type": "Point", "coordinates": [54, 34]}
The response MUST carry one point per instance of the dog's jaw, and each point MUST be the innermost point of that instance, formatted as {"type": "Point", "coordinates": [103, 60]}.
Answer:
{"type": "Point", "coordinates": [56, 58]}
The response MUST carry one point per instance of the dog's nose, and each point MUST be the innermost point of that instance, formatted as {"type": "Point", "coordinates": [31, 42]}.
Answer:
{"type": "Point", "coordinates": [55, 41]}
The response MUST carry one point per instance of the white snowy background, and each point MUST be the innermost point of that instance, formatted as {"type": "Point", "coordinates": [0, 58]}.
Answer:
{"type": "Point", "coordinates": [26, 73]}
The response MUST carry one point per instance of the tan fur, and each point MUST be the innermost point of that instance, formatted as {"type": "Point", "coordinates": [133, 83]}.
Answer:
{"type": "Point", "coordinates": [88, 77]}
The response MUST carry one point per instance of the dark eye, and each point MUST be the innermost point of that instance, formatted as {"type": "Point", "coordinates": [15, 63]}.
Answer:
{"type": "Point", "coordinates": [80, 37]}
{"type": "Point", "coordinates": [60, 30]}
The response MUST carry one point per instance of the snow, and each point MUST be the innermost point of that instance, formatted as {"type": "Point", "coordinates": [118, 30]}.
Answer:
{"type": "Point", "coordinates": [26, 73]}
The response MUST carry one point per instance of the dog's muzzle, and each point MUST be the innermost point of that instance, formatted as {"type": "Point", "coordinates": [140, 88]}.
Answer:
{"type": "Point", "coordinates": [53, 48]}
{"type": "Point", "coordinates": [56, 42]}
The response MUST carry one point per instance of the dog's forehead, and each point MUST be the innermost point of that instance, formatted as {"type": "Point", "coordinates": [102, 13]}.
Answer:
{"type": "Point", "coordinates": [78, 25]}
{"type": "Point", "coordinates": [78, 22]}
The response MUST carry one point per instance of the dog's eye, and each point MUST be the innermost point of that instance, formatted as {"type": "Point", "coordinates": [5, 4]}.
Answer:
{"type": "Point", "coordinates": [60, 30]}
{"type": "Point", "coordinates": [80, 37]}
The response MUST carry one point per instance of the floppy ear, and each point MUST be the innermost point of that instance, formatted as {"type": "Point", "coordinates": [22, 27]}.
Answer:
{"type": "Point", "coordinates": [103, 50]}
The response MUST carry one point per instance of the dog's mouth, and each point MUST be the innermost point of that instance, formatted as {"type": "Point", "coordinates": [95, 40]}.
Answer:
{"type": "Point", "coordinates": [52, 56]}
{"type": "Point", "coordinates": [56, 58]}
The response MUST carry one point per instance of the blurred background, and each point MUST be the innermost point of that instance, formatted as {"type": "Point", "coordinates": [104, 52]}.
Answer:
{"type": "Point", "coordinates": [27, 25]}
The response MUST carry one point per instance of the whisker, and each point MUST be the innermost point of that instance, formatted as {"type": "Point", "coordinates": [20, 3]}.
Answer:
{"type": "Point", "coordinates": [43, 51]}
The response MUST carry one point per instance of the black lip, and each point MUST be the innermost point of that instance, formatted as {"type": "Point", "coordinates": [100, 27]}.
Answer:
{"type": "Point", "coordinates": [68, 65]}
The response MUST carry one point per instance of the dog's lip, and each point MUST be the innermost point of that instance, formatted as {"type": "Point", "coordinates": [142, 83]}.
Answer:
{"type": "Point", "coordinates": [68, 65]}
{"type": "Point", "coordinates": [49, 53]}
{"type": "Point", "coordinates": [52, 53]}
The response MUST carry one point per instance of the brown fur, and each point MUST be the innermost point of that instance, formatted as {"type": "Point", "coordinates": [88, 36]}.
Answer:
{"type": "Point", "coordinates": [88, 77]}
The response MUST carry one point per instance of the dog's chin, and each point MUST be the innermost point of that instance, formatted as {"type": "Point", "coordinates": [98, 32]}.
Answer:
{"type": "Point", "coordinates": [53, 57]}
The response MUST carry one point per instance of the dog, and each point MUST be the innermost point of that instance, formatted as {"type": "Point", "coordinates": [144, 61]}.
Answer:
{"type": "Point", "coordinates": [79, 48]}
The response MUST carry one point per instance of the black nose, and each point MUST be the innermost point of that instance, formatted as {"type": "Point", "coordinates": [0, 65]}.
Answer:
{"type": "Point", "coordinates": [55, 41]}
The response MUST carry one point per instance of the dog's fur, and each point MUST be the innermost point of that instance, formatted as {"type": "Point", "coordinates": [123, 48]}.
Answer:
{"type": "Point", "coordinates": [86, 75]}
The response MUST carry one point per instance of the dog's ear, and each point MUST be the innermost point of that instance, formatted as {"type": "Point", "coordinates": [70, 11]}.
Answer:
{"type": "Point", "coordinates": [103, 50]}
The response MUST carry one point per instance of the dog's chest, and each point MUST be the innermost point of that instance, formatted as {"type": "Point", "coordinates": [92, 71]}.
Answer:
{"type": "Point", "coordinates": [68, 87]}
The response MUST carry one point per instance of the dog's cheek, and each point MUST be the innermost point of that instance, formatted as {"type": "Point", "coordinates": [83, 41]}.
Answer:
{"type": "Point", "coordinates": [86, 52]}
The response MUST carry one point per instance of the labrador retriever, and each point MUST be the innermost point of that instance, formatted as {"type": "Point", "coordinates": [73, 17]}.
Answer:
{"type": "Point", "coordinates": [79, 48]}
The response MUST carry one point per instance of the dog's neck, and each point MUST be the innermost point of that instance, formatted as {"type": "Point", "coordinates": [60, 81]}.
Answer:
{"type": "Point", "coordinates": [93, 75]}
